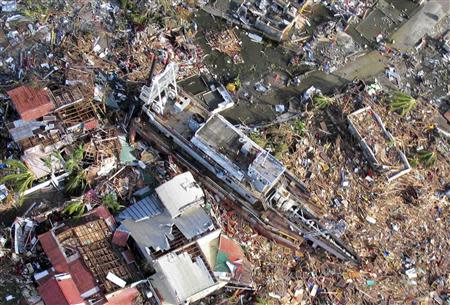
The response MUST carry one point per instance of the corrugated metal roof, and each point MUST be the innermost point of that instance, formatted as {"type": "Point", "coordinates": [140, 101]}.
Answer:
{"type": "Point", "coordinates": [148, 207]}
{"type": "Point", "coordinates": [23, 129]}
{"type": "Point", "coordinates": [53, 251]}
{"type": "Point", "coordinates": [178, 277]}
{"type": "Point", "coordinates": [179, 193]}
{"type": "Point", "coordinates": [154, 232]}
{"type": "Point", "coordinates": [81, 275]}
{"type": "Point", "coordinates": [31, 103]}
{"type": "Point", "coordinates": [60, 291]}
{"type": "Point", "coordinates": [120, 238]}
{"type": "Point", "coordinates": [193, 222]}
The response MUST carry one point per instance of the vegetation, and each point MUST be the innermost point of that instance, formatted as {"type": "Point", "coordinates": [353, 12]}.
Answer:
{"type": "Point", "coordinates": [322, 102]}
{"type": "Point", "coordinates": [258, 139]}
{"type": "Point", "coordinates": [111, 202]}
{"type": "Point", "coordinates": [77, 180]}
{"type": "Point", "coordinates": [280, 150]}
{"type": "Point", "coordinates": [413, 161]}
{"type": "Point", "coordinates": [76, 208]}
{"type": "Point", "coordinates": [135, 14]}
{"type": "Point", "coordinates": [77, 175]}
{"type": "Point", "coordinates": [299, 127]}
{"type": "Point", "coordinates": [262, 301]}
{"type": "Point", "coordinates": [428, 158]}
{"type": "Point", "coordinates": [237, 82]}
{"type": "Point", "coordinates": [73, 163]}
{"type": "Point", "coordinates": [402, 103]}
{"type": "Point", "coordinates": [34, 9]}
{"type": "Point", "coordinates": [20, 178]}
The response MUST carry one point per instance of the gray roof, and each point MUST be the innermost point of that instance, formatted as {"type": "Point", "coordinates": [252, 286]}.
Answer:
{"type": "Point", "coordinates": [238, 154]}
{"type": "Point", "coordinates": [23, 129]}
{"type": "Point", "coordinates": [193, 221]}
{"type": "Point", "coordinates": [146, 208]}
{"type": "Point", "coordinates": [180, 193]}
{"type": "Point", "coordinates": [178, 277]}
{"type": "Point", "coordinates": [221, 135]}
{"type": "Point", "coordinates": [156, 232]}
{"type": "Point", "coordinates": [152, 232]}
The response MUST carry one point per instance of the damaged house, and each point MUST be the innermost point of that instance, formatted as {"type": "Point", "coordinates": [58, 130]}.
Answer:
{"type": "Point", "coordinates": [274, 18]}
{"type": "Point", "coordinates": [86, 269]}
{"type": "Point", "coordinates": [49, 120]}
{"type": "Point", "coordinates": [171, 230]}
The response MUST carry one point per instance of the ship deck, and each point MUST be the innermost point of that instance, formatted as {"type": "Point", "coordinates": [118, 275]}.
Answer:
{"type": "Point", "coordinates": [179, 120]}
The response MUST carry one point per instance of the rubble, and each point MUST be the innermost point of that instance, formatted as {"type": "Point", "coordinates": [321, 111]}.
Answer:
{"type": "Point", "coordinates": [224, 153]}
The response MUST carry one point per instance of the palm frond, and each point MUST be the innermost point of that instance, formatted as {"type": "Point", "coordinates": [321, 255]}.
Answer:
{"type": "Point", "coordinates": [428, 158]}
{"type": "Point", "coordinates": [76, 208]}
{"type": "Point", "coordinates": [16, 164]}
{"type": "Point", "coordinates": [322, 102]}
{"type": "Point", "coordinates": [48, 162]}
{"type": "Point", "coordinates": [402, 102]}
{"type": "Point", "coordinates": [57, 154]}
{"type": "Point", "coordinates": [75, 181]}
{"type": "Point", "coordinates": [20, 178]}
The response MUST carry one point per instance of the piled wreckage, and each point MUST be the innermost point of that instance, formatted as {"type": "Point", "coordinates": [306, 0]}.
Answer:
{"type": "Point", "coordinates": [167, 201]}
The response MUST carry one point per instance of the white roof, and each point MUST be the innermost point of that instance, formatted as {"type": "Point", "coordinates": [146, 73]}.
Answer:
{"type": "Point", "coordinates": [180, 193]}
{"type": "Point", "coordinates": [178, 277]}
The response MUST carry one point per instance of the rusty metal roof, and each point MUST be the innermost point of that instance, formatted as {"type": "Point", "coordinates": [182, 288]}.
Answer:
{"type": "Point", "coordinates": [31, 103]}
{"type": "Point", "coordinates": [60, 290]}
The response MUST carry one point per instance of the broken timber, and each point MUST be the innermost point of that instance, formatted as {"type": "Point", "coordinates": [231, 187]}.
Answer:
{"type": "Point", "coordinates": [300, 223]}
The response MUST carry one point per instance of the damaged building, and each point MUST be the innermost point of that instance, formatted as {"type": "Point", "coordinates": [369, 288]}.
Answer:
{"type": "Point", "coordinates": [171, 230]}
{"type": "Point", "coordinates": [273, 18]}
{"type": "Point", "coordinates": [239, 156]}
{"type": "Point", "coordinates": [49, 120]}
{"type": "Point", "coordinates": [85, 268]}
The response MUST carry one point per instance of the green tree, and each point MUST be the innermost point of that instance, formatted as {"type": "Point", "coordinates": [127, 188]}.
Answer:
{"type": "Point", "coordinates": [77, 179]}
{"type": "Point", "coordinates": [76, 208]}
{"type": "Point", "coordinates": [75, 159]}
{"type": "Point", "coordinates": [258, 138]}
{"type": "Point", "coordinates": [19, 177]}
{"type": "Point", "coordinates": [299, 127]}
{"type": "Point", "coordinates": [111, 202]}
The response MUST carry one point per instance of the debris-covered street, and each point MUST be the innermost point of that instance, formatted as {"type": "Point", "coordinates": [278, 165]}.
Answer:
{"type": "Point", "coordinates": [225, 152]}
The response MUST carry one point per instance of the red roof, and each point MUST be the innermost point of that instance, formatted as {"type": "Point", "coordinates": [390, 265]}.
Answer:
{"type": "Point", "coordinates": [60, 290]}
{"type": "Point", "coordinates": [31, 103]}
{"type": "Point", "coordinates": [128, 256]}
{"type": "Point", "coordinates": [81, 275]}
{"type": "Point", "coordinates": [231, 248]}
{"type": "Point", "coordinates": [123, 297]}
{"type": "Point", "coordinates": [120, 238]}
{"type": "Point", "coordinates": [102, 212]}
{"type": "Point", "coordinates": [53, 251]}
